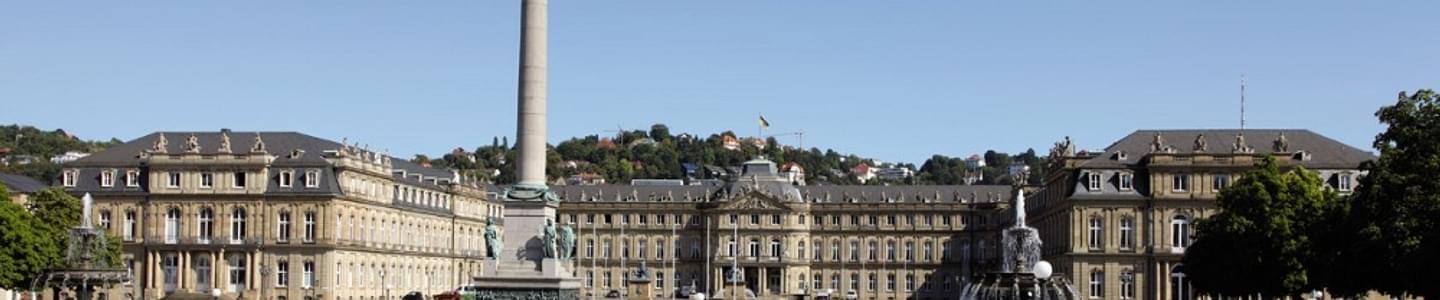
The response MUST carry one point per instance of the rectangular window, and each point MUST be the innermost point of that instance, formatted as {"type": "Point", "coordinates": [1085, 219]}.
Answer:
{"type": "Point", "coordinates": [1097, 285]}
{"type": "Point", "coordinates": [1096, 230]}
{"type": "Point", "coordinates": [1127, 181]}
{"type": "Point", "coordinates": [105, 219]}
{"type": "Point", "coordinates": [68, 178]}
{"type": "Point", "coordinates": [207, 180]}
{"type": "Point", "coordinates": [107, 178]}
{"type": "Point", "coordinates": [310, 227]}
{"type": "Point", "coordinates": [644, 219]}
{"type": "Point", "coordinates": [754, 219]}
{"type": "Point", "coordinates": [1345, 183]}
{"type": "Point", "coordinates": [132, 178]}
{"type": "Point", "coordinates": [129, 232]}
{"type": "Point", "coordinates": [660, 219]}
{"type": "Point", "coordinates": [1094, 181]}
{"type": "Point", "coordinates": [283, 227]}
{"type": "Point", "coordinates": [1127, 233]}
{"type": "Point", "coordinates": [775, 219]}
{"type": "Point", "coordinates": [1180, 182]}
{"type": "Point", "coordinates": [172, 180]}
{"type": "Point", "coordinates": [239, 180]}
{"type": "Point", "coordinates": [1221, 182]}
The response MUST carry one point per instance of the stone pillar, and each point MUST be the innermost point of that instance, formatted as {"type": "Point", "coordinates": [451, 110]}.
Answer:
{"type": "Point", "coordinates": [532, 117]}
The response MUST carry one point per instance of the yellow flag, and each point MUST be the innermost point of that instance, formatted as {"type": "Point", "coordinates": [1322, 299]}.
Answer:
{"type": "Point", "coordinates": [763, 122]}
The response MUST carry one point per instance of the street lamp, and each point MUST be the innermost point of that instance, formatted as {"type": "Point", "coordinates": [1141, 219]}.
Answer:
{"type": "Point", "coordinates": [384, 284]}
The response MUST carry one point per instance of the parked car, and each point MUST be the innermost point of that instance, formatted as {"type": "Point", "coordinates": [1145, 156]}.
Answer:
{"type": "Point", "coordinates": [416, 295]}
{"type": "Point", "coordinates": [466, 292]}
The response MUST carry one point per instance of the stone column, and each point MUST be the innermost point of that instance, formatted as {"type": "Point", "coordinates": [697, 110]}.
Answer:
{"type": "Point", "coordinates": [532, 117]}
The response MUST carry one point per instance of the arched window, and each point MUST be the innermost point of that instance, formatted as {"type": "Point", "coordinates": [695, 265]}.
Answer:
{"type": "Point", "coordinates": [1179, 285]}
{"type": "Point", "coordinates": [641, 248]}
{"type": "Point", "coordinates": [1127, 284]}
{"type": "Point", "coordinates": [890, 250]}
{"type": "Point", "coordinates": [754, 248]}
{"type": "Point", "coordinates": [775, 248]}
{"type": "Point", "coordinates": [1097, 284]}
{"type": "Point", "coordinates": [172, 225]}
{"type": "Point", "coordinates": [206, 225]}
{"type": "Point", "coordinates": [202, 272]}
{"type": "Point", "coordinates": [237, 226]}
{"type": "Point", "coordinates": [802, 250]}
{"type": "Point", "coordinates": [1179, 233]}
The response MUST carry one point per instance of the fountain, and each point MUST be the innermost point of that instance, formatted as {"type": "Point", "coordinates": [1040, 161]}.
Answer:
{"type": "Point", "coordinates": [81, 272]}
{"type": "Point", "coordinates": [1022, 274]}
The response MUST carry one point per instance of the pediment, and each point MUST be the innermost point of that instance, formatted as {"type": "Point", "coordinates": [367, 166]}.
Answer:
{"type": "Point", "coordinates": [755, 201]}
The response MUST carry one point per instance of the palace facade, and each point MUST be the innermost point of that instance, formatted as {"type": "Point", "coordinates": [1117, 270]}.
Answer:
{"type": "Point", "coordinates": [280, 215]}
{"type": "Point", "coordinates": [788, 241]}
{"type": "Point", "coordinates": [1118, 220]}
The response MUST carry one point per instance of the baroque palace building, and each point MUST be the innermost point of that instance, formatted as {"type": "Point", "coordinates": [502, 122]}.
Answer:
{"type": "Point", "coordinates": [1118, 220]}
{"type": "Point", "coordinates": [789, 241]}
{"type": "Point", "coordinates": [280, 215]}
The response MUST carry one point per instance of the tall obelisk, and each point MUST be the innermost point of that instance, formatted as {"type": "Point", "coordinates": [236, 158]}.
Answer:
{"type": "Point", "coordinates": [524, 268]}
{"type": "Point", "coordinates": [531, 119]}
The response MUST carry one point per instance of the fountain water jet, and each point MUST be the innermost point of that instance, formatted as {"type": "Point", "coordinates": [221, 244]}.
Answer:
{"type": "Point", "coordinates": [81, 272]}
{"type": "Point", "coordinates": [1018, 277]}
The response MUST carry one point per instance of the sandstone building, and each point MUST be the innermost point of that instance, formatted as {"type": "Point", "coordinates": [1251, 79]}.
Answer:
{"type": "Point", "coordinates": [280, 215]}
{"type": "Point", "coordinates": [1118, 220]}
{"type": "Point", "coordinates": [865, 242]}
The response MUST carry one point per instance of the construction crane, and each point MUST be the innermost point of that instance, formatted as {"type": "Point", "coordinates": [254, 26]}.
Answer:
{"type": "Point", "coordinates": [799, 136]}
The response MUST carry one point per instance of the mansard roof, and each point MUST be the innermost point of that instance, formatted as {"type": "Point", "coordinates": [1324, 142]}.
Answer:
{"type": "Point", "coordinates": [1323, 152]}
{"type": "Point", "coordinates": [282, 145]}
{"type": "Point", "coordinates": [812, 194]}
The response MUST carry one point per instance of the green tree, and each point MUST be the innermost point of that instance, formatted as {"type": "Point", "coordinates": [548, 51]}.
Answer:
{"type": "Point", "coordinates": [25, 251]}
{"type": "Point", "coordinates": [1395, 213]}
{"type": "Point", "coordinates": [1260, 241]}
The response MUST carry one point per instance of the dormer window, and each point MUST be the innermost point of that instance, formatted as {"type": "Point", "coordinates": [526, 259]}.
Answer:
{"type": "Point", "coordinates": [1093, 181]}
{"type": "Point", "coordinates": [1127, 181]}
{"type": "Point", "coordinates": [1345, 183]}
{"type": "Point", "coordinates": [68, 178]}
{"type": "Point", "coordinates": [1301, 155]}
{"type": "Point", "coordinates": [107, 178]}
{"type": "Point", "coordinates": [287, 178]}
{"type": "Point", "coordinates": [312, 179]}
{"type": "Point", "coordinates": [132, 178]}
{"type": "Point", "coordinates": [1121, 155]}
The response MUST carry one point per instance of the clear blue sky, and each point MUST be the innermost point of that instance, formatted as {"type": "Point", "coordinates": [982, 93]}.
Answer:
{"type": "Point", "coordinates": [896, 80]}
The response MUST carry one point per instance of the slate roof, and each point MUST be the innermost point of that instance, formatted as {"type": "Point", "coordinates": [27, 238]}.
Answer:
{"type": "Point", "coordinates": [814, 193]}
{"type": "Point", "coordinates": [1325, 153]}
{"type": "Point", "coordinates": [279, 144]}
{"type": "Point", "coordinates": [20, 184]}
